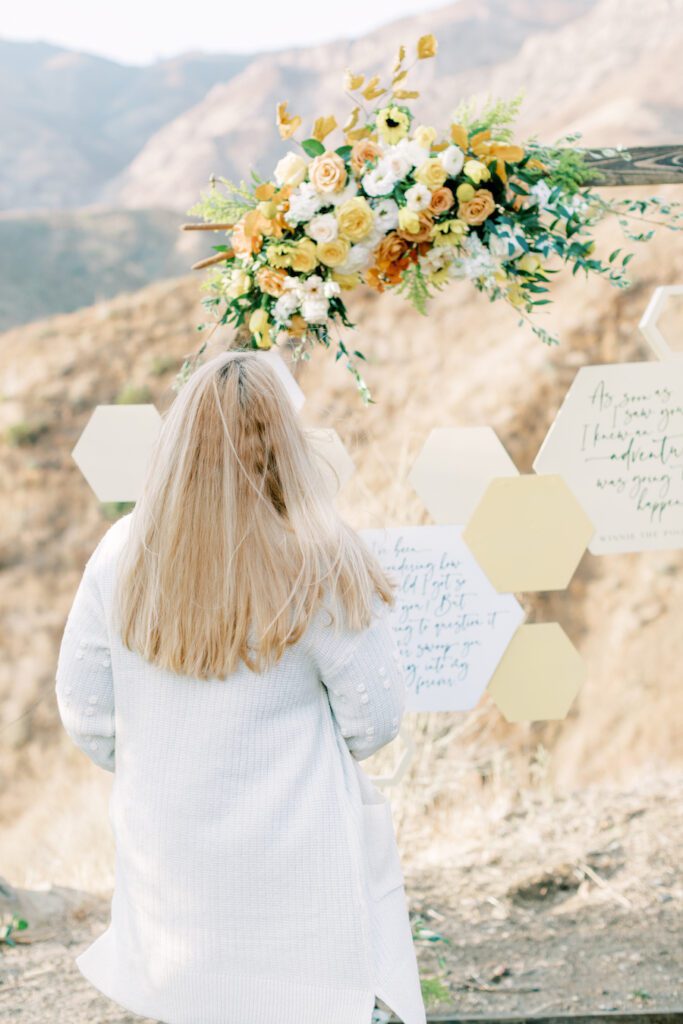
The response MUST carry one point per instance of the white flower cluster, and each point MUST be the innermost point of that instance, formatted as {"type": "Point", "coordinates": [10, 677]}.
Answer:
{"type": "Point", "coordinates": [310, 296]}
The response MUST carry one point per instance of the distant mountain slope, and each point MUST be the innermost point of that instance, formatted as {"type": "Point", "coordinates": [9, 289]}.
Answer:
{"type": "Point", "coordinates": [71, 121]}
{"type": "Point", "coordinates": [62, 260]}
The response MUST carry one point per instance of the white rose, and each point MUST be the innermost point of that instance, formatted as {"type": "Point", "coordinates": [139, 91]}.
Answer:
{"type": "Point", "coordinates": [418, 197]}
{"type": "Point", "coordinates": [314, 310]}
{"type": "Point", "coordinates": [323, 228]}
{"type": "Point", "coordinates": [304, 203]}
{"type": "Point", "coordinates": [291, 170]}
{"type": "Point", "coordinates": [286, 305]}
{"type": "Point", "coordinates": [410, 150]}
{"type": "Point", "coordinates": [380, 180]}
{"type": "Point", "coordinates": [331, 289]}
{"type": "Point", "coordinates": [386, 215]}
{"type": "Point", "coordinates": [452, 159]}
{"type": "Point", "coordinates": [350, 191]}
{"type": "Point", "coordinates": [398, 163]}
{"type": "Point", "coordinates": [360, 257]}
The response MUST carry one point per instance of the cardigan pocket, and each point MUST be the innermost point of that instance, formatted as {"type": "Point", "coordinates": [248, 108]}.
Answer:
{"type": "Point", "coordinates": [384, 863]}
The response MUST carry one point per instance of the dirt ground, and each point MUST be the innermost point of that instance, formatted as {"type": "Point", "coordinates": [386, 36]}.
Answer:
{"type": "Point", "coordinates": [570, 904]}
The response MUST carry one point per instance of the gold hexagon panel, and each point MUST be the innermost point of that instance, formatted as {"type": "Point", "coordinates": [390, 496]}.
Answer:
{"type": "Point", "coordinates": [528, 533]}
{"type": "Point", "coordinates": [539, 676]}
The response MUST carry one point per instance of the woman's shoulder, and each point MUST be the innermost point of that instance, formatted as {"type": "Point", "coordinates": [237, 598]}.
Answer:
{"type": "Point", "coordinates": [110, 543]}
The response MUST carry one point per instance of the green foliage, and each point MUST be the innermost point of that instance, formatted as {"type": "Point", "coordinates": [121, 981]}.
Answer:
{"type": "Point", "coordinates": [496, 115]}
{"type": "Point", "coordinates": [415, 288]}
{"type": "Point", "coordinates": [14, 924]}
{"type": "Point", "coordinates": [434, 991]}
{"type": "Point", "coordinates": [571, 169]}
{"type": "Point", "coordinates": [25, 433]}
{"type": "Point", "coordinates": [132, 395]}
{"type": "Point", "coordinates": [312, 147]}
{"type": "Point", "coordinates": [224, 207]}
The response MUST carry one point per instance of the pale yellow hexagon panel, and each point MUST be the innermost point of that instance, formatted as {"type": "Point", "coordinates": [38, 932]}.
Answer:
{"type": "Point", "coordinates": [335, 462]}
{"type": "Point", "coordinates": [402, 761]}
{"type": "Point", "coordinates": [528, 533]}
{"type": "Point", "coordinates": [454, 467]}
{"type": "Point", "coordinates": [662, 322]}
{"type": "Point", "coordinates": [539, 676]}
{"type": "Point", "coordinates": [113, 451]}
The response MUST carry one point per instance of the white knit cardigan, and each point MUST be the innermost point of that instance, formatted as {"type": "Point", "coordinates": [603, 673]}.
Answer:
{"type": "Point", "coordinates": [257, 877]}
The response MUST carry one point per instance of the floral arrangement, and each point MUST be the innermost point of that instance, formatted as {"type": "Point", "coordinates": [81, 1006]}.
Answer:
{"type": "Point", "coordinates": [404, 207]}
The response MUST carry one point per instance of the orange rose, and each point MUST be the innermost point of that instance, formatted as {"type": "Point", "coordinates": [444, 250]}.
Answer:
{"type": "Point", "coordinates": [365, 150]}
{"type": "Point", "coordinates": [373, 279]}
{"type": "Point", "coordinates": [441, 201]}
{"type": "Point", "coordinates": [478, 208]}
{"type": "Point", "coordinates": [243, 244]}
{"type": "Point", "coordinates": [327, 172]}
{"type": "Point", "coordinates": [424, 230]}
{"type": "Point", "coordinates": [271, 281]}
{"type": "Point", "coordinates": [390, 250]}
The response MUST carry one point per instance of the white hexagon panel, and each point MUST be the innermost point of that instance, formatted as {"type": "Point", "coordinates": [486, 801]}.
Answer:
{"type": "Point", "coordinates": [335, 462]}
{"type": "Point", "coordinates": [618, 442]}
{"type": "Point", "coordinates": [113, 451]}
{"type": "Point", "coordinates": [454, 468]}
{"type": "Point", "coordinates": [451, 626]}
{"type": "Point", "coordinates": [286, 376]}
{"type": "Point", "coordinates": [662, 322]}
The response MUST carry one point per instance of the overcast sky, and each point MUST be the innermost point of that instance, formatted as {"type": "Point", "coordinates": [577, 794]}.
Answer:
{"type": "Point", "coordinates": [141, 31]}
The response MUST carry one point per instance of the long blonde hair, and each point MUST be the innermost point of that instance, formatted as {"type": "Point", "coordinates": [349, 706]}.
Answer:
{"type": "Point", "coordinates": [235, 540]}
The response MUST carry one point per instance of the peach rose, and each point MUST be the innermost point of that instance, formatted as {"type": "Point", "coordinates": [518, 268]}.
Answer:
{"type": "Point", "coordinates": [441, 201]}
{"type": "Point", "coordinates": [478, 208]}
{"type": "Point", "coordinates": [243, 244]}
{"type": "Point", "coordinates": [270, 281]}
{"type": "Point", "coordinates": [424, 230]}
{"type": "Point", "coordinates": [364, 151]}
{"type": "Point", "coordinates": [327, 172]}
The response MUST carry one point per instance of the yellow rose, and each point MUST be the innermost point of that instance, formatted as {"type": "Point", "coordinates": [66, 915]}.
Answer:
{"type": "Point", "coordinates": [355, 219]}
{"type": "Point", "coordinates": [431, 173]}
{"type": "Point", "coordinates": [291, 170]}
{"type": "Point", "coordinates": [408, 220]}
{"type": "Point", "coordinates": [529, 263]}
{"type": "Point", "coordinates": [476, 171]}
{"type": "Point", "coordinates": [346, 281]}
{"type": "Point", "coordinates": [259, 325]}
{"type": "Point", "coordinates": [240, 282]}
{"type": "Point", "coordinates": [424, 135]}
{"type": "Point", "coordinates": [464, 192]}
{"type": "Point", "coordinates": [327, 172]}
{"type": "Point", "coordinates": [279, 255]}
{"type": "Point", "coordinates": [303, 256]}
{"type": "Point", "coordinates": [333, 253]}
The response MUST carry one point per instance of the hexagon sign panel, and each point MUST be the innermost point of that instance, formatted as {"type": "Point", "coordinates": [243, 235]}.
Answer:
{"type": "Point", "coordinates": [454, 467]}
{"type": "Point", "coordinates": [539, 675]}
{"type": "Point", "coordinates": [335, 464]}
{"type": "Point", "coordinates": [451, 627]}
{"type": "Point", "coordinates": [114, 448]}
{"type": "Point", "coordinates": [618, 442]}
{"type": "Point", "coordinates": [662, 322]}
{"type": "Point", "coordinates": [528, 533]}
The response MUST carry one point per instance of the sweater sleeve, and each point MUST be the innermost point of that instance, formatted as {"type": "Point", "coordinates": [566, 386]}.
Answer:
{"type": "Point", "coordinates": [364, 681]}
{"type": "Point", "coordinates": [84, 683]}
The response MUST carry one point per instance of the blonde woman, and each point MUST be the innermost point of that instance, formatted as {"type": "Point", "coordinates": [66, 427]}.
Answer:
{"type": "Point", "coordinates": [228, 657]}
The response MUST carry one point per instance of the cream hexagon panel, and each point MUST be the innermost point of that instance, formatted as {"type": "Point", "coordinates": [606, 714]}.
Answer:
{"type": "Point", "coordinates": [450, 625]}
{"type": "Point", "coordinates": [528, 533]}
{"type": "Point", "coordinates": [618, 442]}
{"type": "Point", "coordinates": [402, 761]}
{"type": "Point", "coordinates": [113, 451]}
{"type": "Point", "coordinates": [454, 467]}
{"type": "Point", "coordinates": [662, 322]}
{"type": "Point", "coordinates": [539, 675]}
{"type": "Point", "coordinates": [336, 464]}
